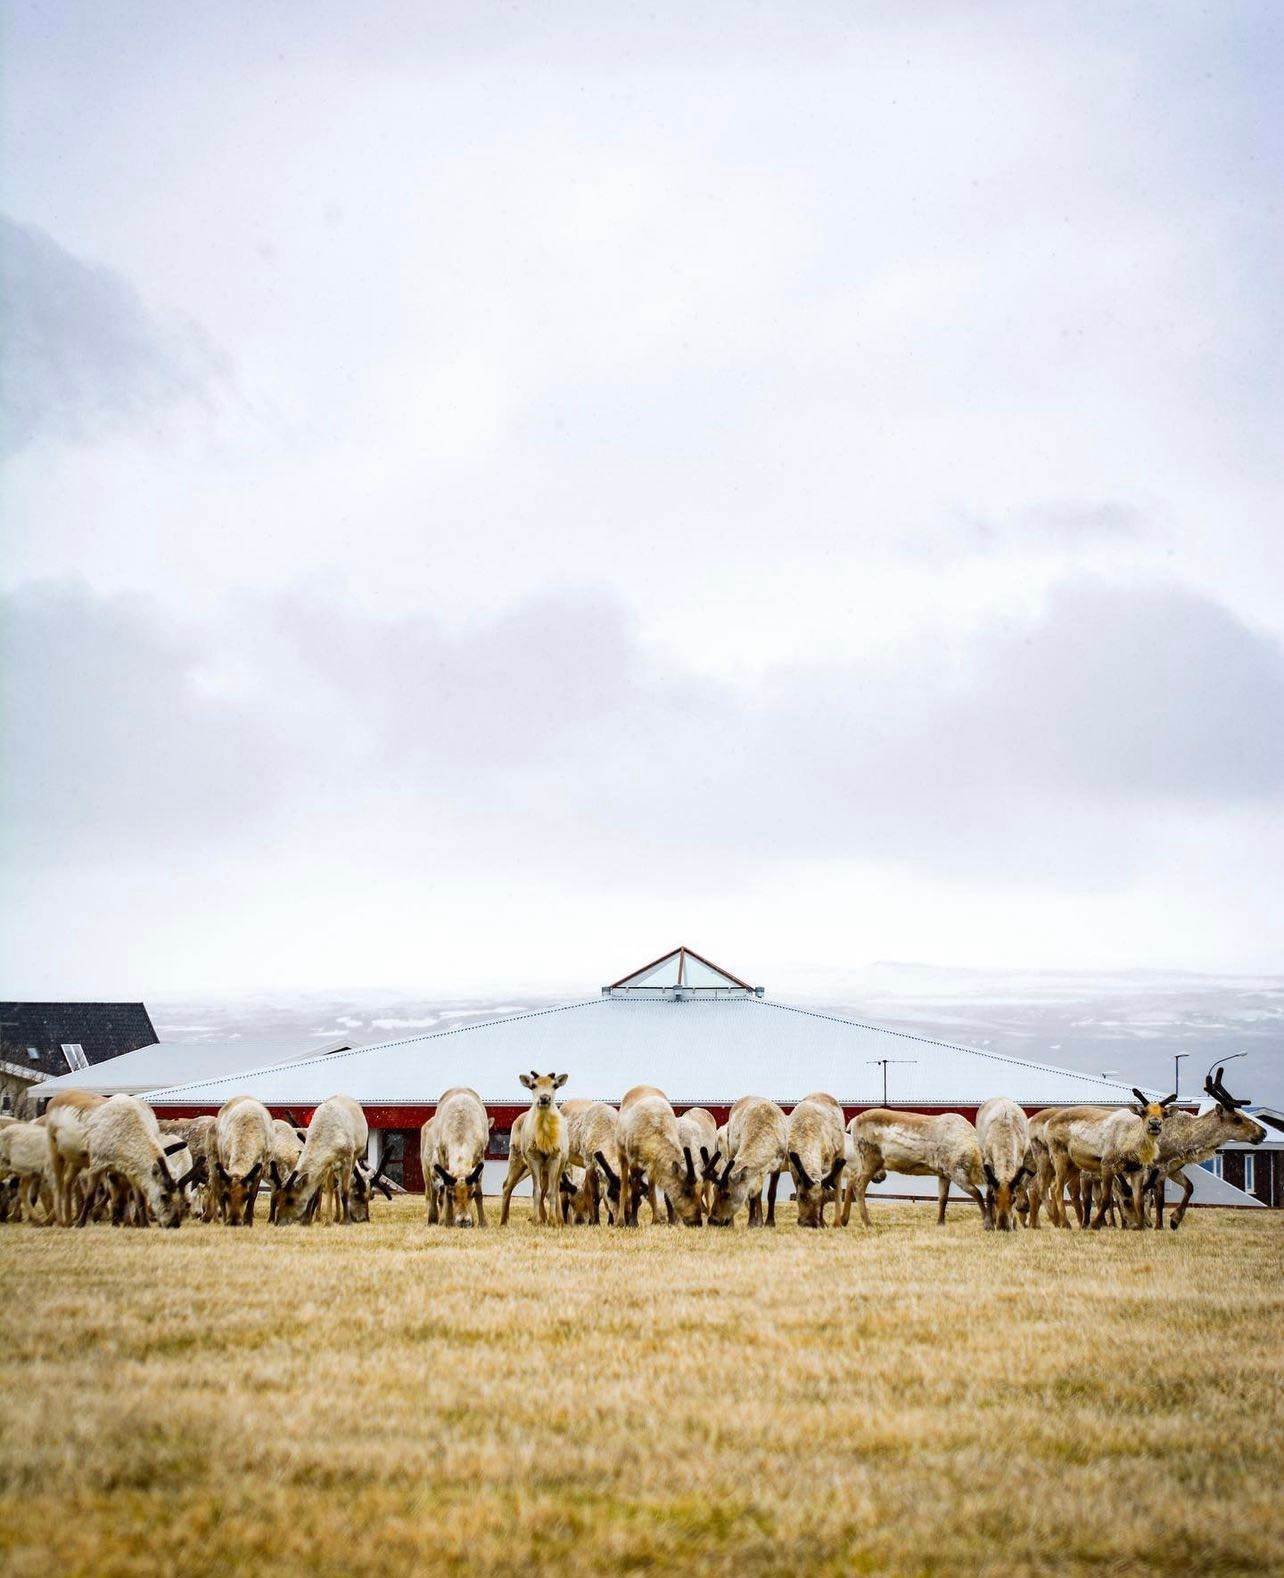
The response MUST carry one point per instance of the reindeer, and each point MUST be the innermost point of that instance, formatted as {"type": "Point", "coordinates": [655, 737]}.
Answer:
{"type": "Point", "coordinates": [817, 1156]}
{"type": "Point", "coordinates": [1190, 1138]}
{"type": "Point", "coordinates": [452, 1149]}
{"type": "Point", "coordinates": [917, 1146]}
{"type": "Point", "coordinates": [365, 1184]}
{"type": "Point", "coordinates": [1003, 1134]}
{"type": "Point", "coordinates": [243, 1140]}
{"type": "Point", "coordinates": [539, 1145]}
{"type": "Point", "coordinates": [651, 1150]}
{"type": "Point", "coordinates": [593, 1141]}
{"type": "Point", "coordinates": [757, 1150]}
{"type": "Point", "coordinates": [1042, 1184]}
{"type": "Point", "coordinates": [66, 1117]}
{"type": "Point", "coordinates": [698, 1133]}
{"type": "Point", "coordinates": [1122, 1144]}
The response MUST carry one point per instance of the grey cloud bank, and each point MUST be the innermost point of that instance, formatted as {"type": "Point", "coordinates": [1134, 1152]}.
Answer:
{"type": "Point", "coordinates": [82, 356]}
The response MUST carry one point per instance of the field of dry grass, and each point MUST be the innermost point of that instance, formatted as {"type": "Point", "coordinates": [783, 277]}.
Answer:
{"type": "Point", "coordinates": [397, 1398]}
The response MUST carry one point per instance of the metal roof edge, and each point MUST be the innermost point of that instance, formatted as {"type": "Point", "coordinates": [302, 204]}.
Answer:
{"type": "Point", "coordinates": [953, 1046]}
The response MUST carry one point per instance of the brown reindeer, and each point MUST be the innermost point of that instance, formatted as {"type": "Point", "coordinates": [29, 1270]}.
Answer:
{"type": "Point", "coordinates": [1190, 1138]}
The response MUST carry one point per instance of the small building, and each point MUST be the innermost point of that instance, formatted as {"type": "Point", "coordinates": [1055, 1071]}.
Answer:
{"type": "Point", "coordinates": [702, 1034]}
{"type": "Point", "coordinates": [1256, 1169]}
{"type": "Point", "coordinates": [42, 1040]}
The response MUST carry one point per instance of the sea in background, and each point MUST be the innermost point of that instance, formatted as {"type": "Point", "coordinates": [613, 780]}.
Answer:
{"type": "Point", "coordinates": [1127, 1025]}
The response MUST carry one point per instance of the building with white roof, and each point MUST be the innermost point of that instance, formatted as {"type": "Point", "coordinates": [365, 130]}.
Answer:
{"type": "Point", "coordinates": [700, 1033]}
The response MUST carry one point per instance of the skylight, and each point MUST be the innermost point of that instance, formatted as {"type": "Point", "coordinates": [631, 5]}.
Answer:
{"type": "Point", "coordinates": [678, 973]}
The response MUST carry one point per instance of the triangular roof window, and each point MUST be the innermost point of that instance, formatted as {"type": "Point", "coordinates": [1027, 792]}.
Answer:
{"type": "Point", "coordinates": [678, 972]}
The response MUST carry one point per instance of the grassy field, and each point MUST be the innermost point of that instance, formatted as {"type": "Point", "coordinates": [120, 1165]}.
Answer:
{"type": "Point", "coordinates": [399, 1398]}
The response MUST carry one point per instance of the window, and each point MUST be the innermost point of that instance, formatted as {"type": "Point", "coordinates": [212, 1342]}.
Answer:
{"type": "Point", "coordinates": [34, 1054]}
{"type": "Point", "coordinates": [1213, 1165]}
{"type": "Point", "coordinates": [1250, 1172]}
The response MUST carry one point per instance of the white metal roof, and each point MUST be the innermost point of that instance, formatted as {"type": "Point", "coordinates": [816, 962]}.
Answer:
{"type": "Point", "coordinates": [166, 1062]}
{"type": "Point", "coordinates": [699, 1049]}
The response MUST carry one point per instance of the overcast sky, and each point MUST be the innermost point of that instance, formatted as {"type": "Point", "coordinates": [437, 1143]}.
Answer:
{"type": "Point", "coordinates": [491, 492]}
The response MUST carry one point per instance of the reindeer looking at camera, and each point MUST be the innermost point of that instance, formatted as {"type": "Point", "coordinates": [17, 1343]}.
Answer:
{"type": "Point", "coordinates": [539, 1144]}
{"type": "Point", "coordinates": [1123, 1145]}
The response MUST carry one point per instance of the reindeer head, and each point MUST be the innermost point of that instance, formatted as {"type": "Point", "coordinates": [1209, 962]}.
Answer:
{"type": "Point", "coordinates": [683, 1188]}
{"type": "Point", "coordinates": [1004, 1193]}
{"type": "Point", "coordinates": [459, 1188]}
{"type": "Point", "coordinates": [730, 1188]}
{"type": "Point", "coordinates": [1236, 1124]}
{"type": "Point", "coordinates": [364, 1185]}
{"type": "Point", "coordinates": [1152, 1113]}
{"type": "Point", "coordinates": [542, 1087]}
{"type": "Point", "coordinates": [238, 1191]}
{"type": "Point", "coordinates": [294, 1198]}
{"type": "Point", "coordinates": [167, 1196]}
{"type": "Point", "coordinates": [812, 1193]}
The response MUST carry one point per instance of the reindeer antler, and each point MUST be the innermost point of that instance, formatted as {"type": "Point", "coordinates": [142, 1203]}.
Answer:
{"type": "Point", "coordinates": [1220, 1094]}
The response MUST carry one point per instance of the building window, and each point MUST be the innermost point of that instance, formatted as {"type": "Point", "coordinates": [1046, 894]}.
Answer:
{"type": "Point", "coordinates": [1213, 1165]}
{"type": "Point", "coordinates": [1250, 1173]}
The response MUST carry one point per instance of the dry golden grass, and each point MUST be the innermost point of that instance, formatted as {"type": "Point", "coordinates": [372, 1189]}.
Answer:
{"type": "Point", "coordinates": [404, 1399]}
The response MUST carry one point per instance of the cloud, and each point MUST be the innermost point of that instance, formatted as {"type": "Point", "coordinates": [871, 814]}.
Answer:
{"type": "Point", "coordinates": [82, 355]}
{"type": "Point", "coordinates": [1113, 701]}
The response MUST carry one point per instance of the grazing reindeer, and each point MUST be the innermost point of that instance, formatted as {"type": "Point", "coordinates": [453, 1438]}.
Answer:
{"type": "Point", "coordinates": [452, 1148]}
{"type": "Point", "coordinates": [65, 1117]}
{"type": "Point", "coordinates": [1123, 1144]}
{"type": "Point", "coordinates": [27, 1166]}
{"type": "Point", "coordinates": [288, 1141]}
{"type": "Point", "coordinates": [593, 1139]}
{"type": "Point", "coordinates": [336, 1136]}
{"type": "Point", "coordinates": [651, 1149]}
{"type": "Point", "coordinates": [364, 1185]}
{"type": "Point", "coordinates": [539, 1145]}
{"type": "Point", "coordinates": [1190, 1138]}
{"type": "Point", "coordinates": [918, 1147]}
{"type": "Point", "coordinates": [757, 1152]}
{"type": "Point", "coordinates": [698, 1133]}
{"type": "Point", "coordinates": [817, 1156]}
{"type": "Point", "coordinates": [126, 1150]}
{"type": "Point", "coordinates": [1003, 1133]}
{"type": "Point", "coordinates": [243, 1139]}
{"type": "Point", "coordinates": [1041, 1186]}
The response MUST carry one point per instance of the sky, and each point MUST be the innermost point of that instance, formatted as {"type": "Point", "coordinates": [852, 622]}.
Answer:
{"type": "Point", "coordinates": [491, 492]}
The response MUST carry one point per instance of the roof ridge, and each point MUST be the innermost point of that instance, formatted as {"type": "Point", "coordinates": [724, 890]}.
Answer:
{"type": "Point", "coordinates": [380, 1046]}
{"type": "Point", "coordinates": [950, 1046]}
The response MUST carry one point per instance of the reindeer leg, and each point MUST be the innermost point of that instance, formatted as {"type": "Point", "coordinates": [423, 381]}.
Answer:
{"type": "Point", "coordinates": [1107, 1195]}
{"type": "Point", "coordinates": [773, 1183]}
{"type": "Point", "coordinates": [516, 1172]}
{"type": "Point", "coordinates": [1187, 1189]}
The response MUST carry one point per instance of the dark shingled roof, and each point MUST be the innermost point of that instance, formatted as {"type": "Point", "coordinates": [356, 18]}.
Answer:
{"type": "Point", "coordinates": [102, 1030]}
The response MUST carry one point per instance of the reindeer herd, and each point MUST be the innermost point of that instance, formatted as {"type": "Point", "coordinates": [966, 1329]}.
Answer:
{"type": "Point", "coordinates": [90, 1158]}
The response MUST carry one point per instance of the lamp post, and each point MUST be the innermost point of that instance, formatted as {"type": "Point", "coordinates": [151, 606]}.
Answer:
{"type": "Point", "coordinates": [1219, 1062]}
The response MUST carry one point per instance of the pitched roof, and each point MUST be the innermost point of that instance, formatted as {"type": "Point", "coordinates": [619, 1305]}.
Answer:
{"type": "Point", "coordinates": [707, 1050]}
